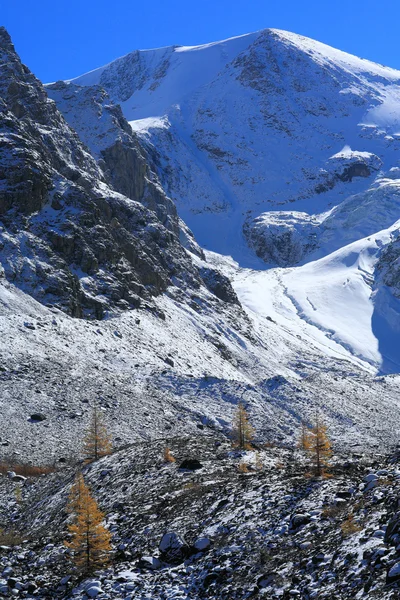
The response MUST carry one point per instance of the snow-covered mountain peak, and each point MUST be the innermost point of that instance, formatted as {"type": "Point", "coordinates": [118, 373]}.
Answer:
{"type": "Point", "coordinates": [278, 150]}
{"type": "Point", "coordinates": [254, 124]}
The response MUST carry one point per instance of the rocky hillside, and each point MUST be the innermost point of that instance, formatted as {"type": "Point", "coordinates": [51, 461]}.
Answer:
{"type": "Point", "coordinates": [204, 528]}
{"type": "Point", "coordinates": [69, 236]}
{"type": "Point", "coordinates": [86, 230]}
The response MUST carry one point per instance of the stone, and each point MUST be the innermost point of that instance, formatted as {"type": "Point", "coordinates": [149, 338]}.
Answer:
{"type": "Point", "coordinates": [299, 519]}
{"type": "Point", "coordinates": [149, 562]}
{"type": "Point", "coordinates": [173, 548]}
{"type": "Point", "coordinates": [393, 575]}
{"type": "Point", "coordinates": [37, 417]}
{"type": "Point", "coordinates": [202, 544]}
{"type": "Point", "coordinates": [93, 588]}
{"type": "Point", "coordinates": [19, 478]}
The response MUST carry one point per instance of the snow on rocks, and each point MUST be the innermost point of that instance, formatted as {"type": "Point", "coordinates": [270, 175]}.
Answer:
{"type": "Point", "coordinates": [223, 525]}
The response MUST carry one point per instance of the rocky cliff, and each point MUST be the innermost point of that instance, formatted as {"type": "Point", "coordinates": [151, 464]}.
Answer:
{"type": "Point", "coordinates": [83, 236]}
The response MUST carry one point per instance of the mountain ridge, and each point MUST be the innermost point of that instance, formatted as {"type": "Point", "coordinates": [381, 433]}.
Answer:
{"type": "Point", "coordinates": [279, 151]}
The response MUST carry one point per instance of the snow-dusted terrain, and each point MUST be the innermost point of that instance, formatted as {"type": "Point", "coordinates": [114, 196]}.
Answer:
{"type": "Point", "coordinates": [279, 150]}
{"type": "Point", "coordinates": [281, 155]}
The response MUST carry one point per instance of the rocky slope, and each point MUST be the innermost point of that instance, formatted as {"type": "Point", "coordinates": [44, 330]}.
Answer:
{"type": "Point", "coordinates": [209, 530]}
{"type": "Point", "coordinates": [68, 237]}
{"type": "Point", "coordinates": [102, 237]}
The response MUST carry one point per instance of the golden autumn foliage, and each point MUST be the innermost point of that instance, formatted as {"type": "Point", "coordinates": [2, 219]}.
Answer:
{"type": "Point", "coordinates": [304, 442]}
{"type": "Point", "coordinates": [97, 442]}
{"type": "Point", "coordinates": [319, 446]}
{"type": "Point", "coordinates": [90, 540]}
{"type": "Point", "coordinates": [349, 526]}
{"type": "Point", "coordinates": [242, 431]}
{"type": "Point", "coordinates": [242, 467]}
{"type": "Point", "coordinates": [168, 457]}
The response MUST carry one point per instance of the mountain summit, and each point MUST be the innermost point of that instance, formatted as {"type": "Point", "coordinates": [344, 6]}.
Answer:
{"type": "Point", "coordinates": [262, 134]}
{"type": "Point", "coordinates": [279, 151]}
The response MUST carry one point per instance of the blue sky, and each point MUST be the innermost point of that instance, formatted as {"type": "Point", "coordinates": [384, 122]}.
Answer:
{"type": "Point", "coordinates": [59, 39]}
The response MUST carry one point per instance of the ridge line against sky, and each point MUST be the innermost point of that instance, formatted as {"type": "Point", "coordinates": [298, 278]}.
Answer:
{"type": "Point", "coordinates": [62, 40]}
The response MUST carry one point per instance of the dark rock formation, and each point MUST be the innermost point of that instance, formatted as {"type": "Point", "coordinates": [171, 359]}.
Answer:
{"type": "Point", "coordinates": [219, 285]}
{"type": "Point", "coordinates": [102, 127]}
{"type": "Point", "coordinates": [66, 237]}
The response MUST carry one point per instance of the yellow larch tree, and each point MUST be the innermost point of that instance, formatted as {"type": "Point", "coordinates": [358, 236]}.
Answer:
{"type": "Point", "coordinates": [304, 442]}
{"type": "Point", "coordinates": [168, 456]}
{"type": "Point", "coordinates": [97, 442]}
{"type": "Point", "coordinates": [90, 540]}
{"type": "Point", "coordinates": [320, 446]}
{"type": "Point", "coordinates": [242, 430]}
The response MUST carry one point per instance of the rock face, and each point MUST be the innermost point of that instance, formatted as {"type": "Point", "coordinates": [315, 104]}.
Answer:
{"type": "Point", "coordinates": [388, 266]}
{"type": "Point", "coordinates": [74, 233]}
{"type": "Point", "coordinates": [101, 125]}
{"type": "Point", "coordinates": [219, 285]}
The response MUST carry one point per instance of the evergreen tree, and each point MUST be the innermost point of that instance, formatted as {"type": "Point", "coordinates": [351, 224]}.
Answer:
{"type": "Point", "coordinates": [91, 541]}
{"type": "Point", "coordinates": [97, 442]}
{"type": "Point", "coordinates": [242, 431]}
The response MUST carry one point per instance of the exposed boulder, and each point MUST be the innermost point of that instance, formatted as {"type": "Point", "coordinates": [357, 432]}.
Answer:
{"type": "Point", "coordinates": [37, 417]}
{"type": "Point", "coordinates": [191, 464]}
{"type": "Point", "coordinates": [173, 548]}
{"type": "Point", "coordinates": [299, 519]}
{"type": "Point", "coordinates": [219, 285]}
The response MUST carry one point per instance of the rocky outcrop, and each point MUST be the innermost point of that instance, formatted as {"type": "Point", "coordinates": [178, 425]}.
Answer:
{"type": "Point", "coordinates": [110, 139]}
{"type": "Point", "coordinates": [66, 236]}
{"type": "Point", "coordinates": [219, 285]}
{"type": "Point", "coordinates": [282, 238]}
{"type": "Point", "coordinates": [344, 167]}
{"type": "Point", "coordinates": [388, 266]}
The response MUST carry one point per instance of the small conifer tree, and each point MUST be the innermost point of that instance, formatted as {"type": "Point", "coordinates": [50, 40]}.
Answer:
{"type": "Point", "coordinates": [320, 446]}
{"type": "Point", "coordinates": [242, 431]}
{"type": "Point", "coordinates": [18, 494]}
{"type": "Point", "coordinates": [97, 442]}
{"type": "Point", "coordinates": [90, 540]}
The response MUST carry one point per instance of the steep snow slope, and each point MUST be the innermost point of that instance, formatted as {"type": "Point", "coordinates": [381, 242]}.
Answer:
{"type": "Point", "coordinates": [336, 298]}
{"type": "Point", "coordinates": [280, 150]}
{"type": "Point", "coordinates": [263, 122]}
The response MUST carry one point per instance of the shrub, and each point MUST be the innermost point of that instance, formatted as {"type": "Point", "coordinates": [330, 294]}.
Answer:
{"type": "Point", "coordinates": [168, 456]}
{"type": "Point", "coordinates": [26, 470]}
{"type": "Point", "coordinates": [349, 527]}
